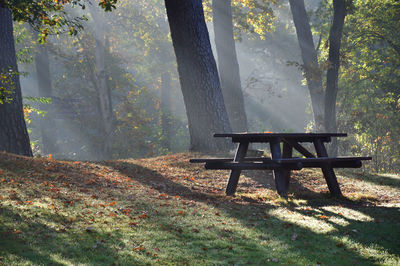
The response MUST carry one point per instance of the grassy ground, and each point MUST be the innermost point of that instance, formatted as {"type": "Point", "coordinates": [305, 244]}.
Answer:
{"type": "Point", "coordinates": [165, 211]}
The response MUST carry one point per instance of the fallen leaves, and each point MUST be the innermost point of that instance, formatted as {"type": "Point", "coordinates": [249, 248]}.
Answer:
{"type": "Point", "coordinates": [340, 244]}
{"type": "Point", "coordinates": [287, 225]}
{"type": "Point", "coordinates": [106, 197]}
{"type": "Point", "coordinates": [143, 216]}
{"type": "Point", "coordinates": [139, 248]}
{"type": "Point", "coordinates": [162, 196]}
{"type": "Point", "coordinates": [126, 211]}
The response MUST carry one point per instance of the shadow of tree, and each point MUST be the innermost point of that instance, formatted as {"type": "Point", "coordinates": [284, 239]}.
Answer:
{"type": "Point", "coordinates": [241, 209]}
{"type": "Point", "coordinates": [99, 247]}
{"type": "Point", "coordinates": [379, 179]}
{"type": "Point", "coordinates": [68, 246]}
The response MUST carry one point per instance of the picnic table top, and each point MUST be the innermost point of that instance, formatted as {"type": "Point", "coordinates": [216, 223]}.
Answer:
{"type": "Point", "coordinates": [284, 135]}
{"type": "Point", "coordinates": [272, 136]}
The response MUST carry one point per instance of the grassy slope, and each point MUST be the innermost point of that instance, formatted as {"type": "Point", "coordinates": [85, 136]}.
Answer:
{"type": "Point", "coordinates": [165, 211]}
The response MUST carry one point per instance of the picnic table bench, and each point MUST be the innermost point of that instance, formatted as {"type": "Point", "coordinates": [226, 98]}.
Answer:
{"type": "Point", "coordinates": [281, 161]}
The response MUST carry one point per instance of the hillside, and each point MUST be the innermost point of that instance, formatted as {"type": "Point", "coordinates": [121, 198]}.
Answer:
{"type": "Point", "coordinates": [166, 211]}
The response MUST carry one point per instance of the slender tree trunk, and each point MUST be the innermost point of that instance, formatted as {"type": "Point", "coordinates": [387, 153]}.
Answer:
{"type": "Point", "coordinates": [198, 74]}
{"type": "Point", "coordinates": [335, 36]}
{"type": "Point", "coordinates": [312, 71]}
{"type": "Point", "coordinates": [166, 121]}
{"type": "Point", "coordinates": [14, 137]}
{"type": "Point", "coordinates": [47, 123]}
{"type": "Point", "coordinates": [228, 65]}
{"type": "Point", "coordinates": [102, 87]}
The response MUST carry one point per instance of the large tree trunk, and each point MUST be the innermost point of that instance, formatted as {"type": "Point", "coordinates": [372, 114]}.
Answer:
{"type": "Point", "coordinates": [312, 71]}
{"type": "Point", "coordinates": [103, 90]}
{"type": "Point", "coordinates": [198, 75]}
{"type": "Point", "coordinates": [335, 36]}
{"type": "Point", "coordinates": [228, 65]}
{"type": "Point", "coordinates": [13, 133]}
{"type": "Point", "coordinates": [47, 123]}
{"type": "Point", "coordinates": [166, 121]}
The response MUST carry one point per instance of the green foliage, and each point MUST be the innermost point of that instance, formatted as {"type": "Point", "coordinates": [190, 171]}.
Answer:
{"type": "Point", "coordinates": [44, 100]}
{"type": "Point", "coordinates": [49, 16]}
{"type": "Point", "coordinates": [7, 85]}
{"type": "Point", "coordinates": [370, 96]}
{"type": "Point", "coordinates": [369, 93]}
{"type": "Point", "coordinates": [249, 17]}
{"type": "Point", "coordinates": [23, 43]}
{"type": "Point", "coordinates": [133, 35]}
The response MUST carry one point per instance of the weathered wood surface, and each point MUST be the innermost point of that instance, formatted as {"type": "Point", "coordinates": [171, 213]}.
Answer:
{"type": "Point", "coordinates": [253, 166]}
{"type": "Point", "coordinates": [235, 174]}
{"type": "Point", "coordinates": [287, 152]}
{"type": "Point", "coordinates": [282, 161]}
{"type": "Point", "coordinates": [304, 161]}
{"type": "Point", "coordinates": [327, 169]}
{"type": "Point", "coordinates": [298, 147]}
{"type": "Point", "coordinates": [268, 137]}
{"type": "Point", "coordinates": [280, 183]}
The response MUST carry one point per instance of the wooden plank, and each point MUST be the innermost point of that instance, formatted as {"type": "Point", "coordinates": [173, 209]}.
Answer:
{"type": "Point", "coordinates": [333, 164]}
{"type": "Point", "coordinates": [287, 153]}
{"type": "Point", "coordinates": [307, 162]}
{"type": "Point", "coordinates": [235, 174]}
{"type": "Point", "coordinates": [267, 137]}
{"type": "Point", "coordinates": [327, 169]}
{"type": "Point", "coordinates": [283, 135]}
{"type": "Point", "coordinates": [276, 154]}
{"type": "Point", "coordinates": [283, 160]}
{"type": "Point", "coordinates": [299, 148]}
{"type": "Point", "coordinates": [253, 166]}
{"type": "Point", "coordinates": [205, 160]}
{"type": "Point", "coordinates": [323, 159]}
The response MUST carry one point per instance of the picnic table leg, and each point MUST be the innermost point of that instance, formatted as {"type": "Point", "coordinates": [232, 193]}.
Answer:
{"type": "Point", "coordinates": [287, 153]}
{"type": "Point", "coordinates": [327, 169]}
{"type": "Point", "coordinates": [234, 177]}
{"type": "Point", "coordinates": [279, 175]}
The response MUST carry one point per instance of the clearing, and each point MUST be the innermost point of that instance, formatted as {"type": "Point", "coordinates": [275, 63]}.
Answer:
{"type": "Point", "coordinates": [165, 211]}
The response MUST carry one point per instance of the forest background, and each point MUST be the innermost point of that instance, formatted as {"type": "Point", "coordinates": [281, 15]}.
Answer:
{"type": "Point", "coordinates": [147, 115]}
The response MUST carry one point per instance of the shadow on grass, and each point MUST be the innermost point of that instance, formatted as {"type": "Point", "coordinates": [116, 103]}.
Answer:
{"type": "Point", "coordinates": [26, 241]}
{"type": "Point", "coordinates": [276, 228]}
{"type": "Point", "coordinates": [379, 179]}
{"type": "Point", "coordinates": [80, 247]}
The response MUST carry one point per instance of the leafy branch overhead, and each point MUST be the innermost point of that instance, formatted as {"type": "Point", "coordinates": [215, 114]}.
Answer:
{"type": "Point", "coordinates": [50, 16]}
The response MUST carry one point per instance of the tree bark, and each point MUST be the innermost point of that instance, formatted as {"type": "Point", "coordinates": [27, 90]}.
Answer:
{"type": "Point", "coordinates": [312, 71]}
{"type": "Point", "coordinates": [166, 121]}
{"type": "Point", "coordinates": [228, 65]}
{"type": "Point", "coordinates": [198, 75]}
{"type": "Point", "coordinates": [335, 36]}
{"type": "Point", "coordinates": [103, 90]}
{"type": "Point", "coordinates": [47, 123]}
{"type": "Point", "coordinates": [14, 136]}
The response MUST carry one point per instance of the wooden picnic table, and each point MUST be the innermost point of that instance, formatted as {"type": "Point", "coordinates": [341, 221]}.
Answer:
{"type": "Point", "coordinates": [281, 161]}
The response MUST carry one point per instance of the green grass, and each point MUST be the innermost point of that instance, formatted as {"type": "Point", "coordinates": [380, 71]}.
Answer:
{"type": "Point", "coordinates": [164, 211]}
